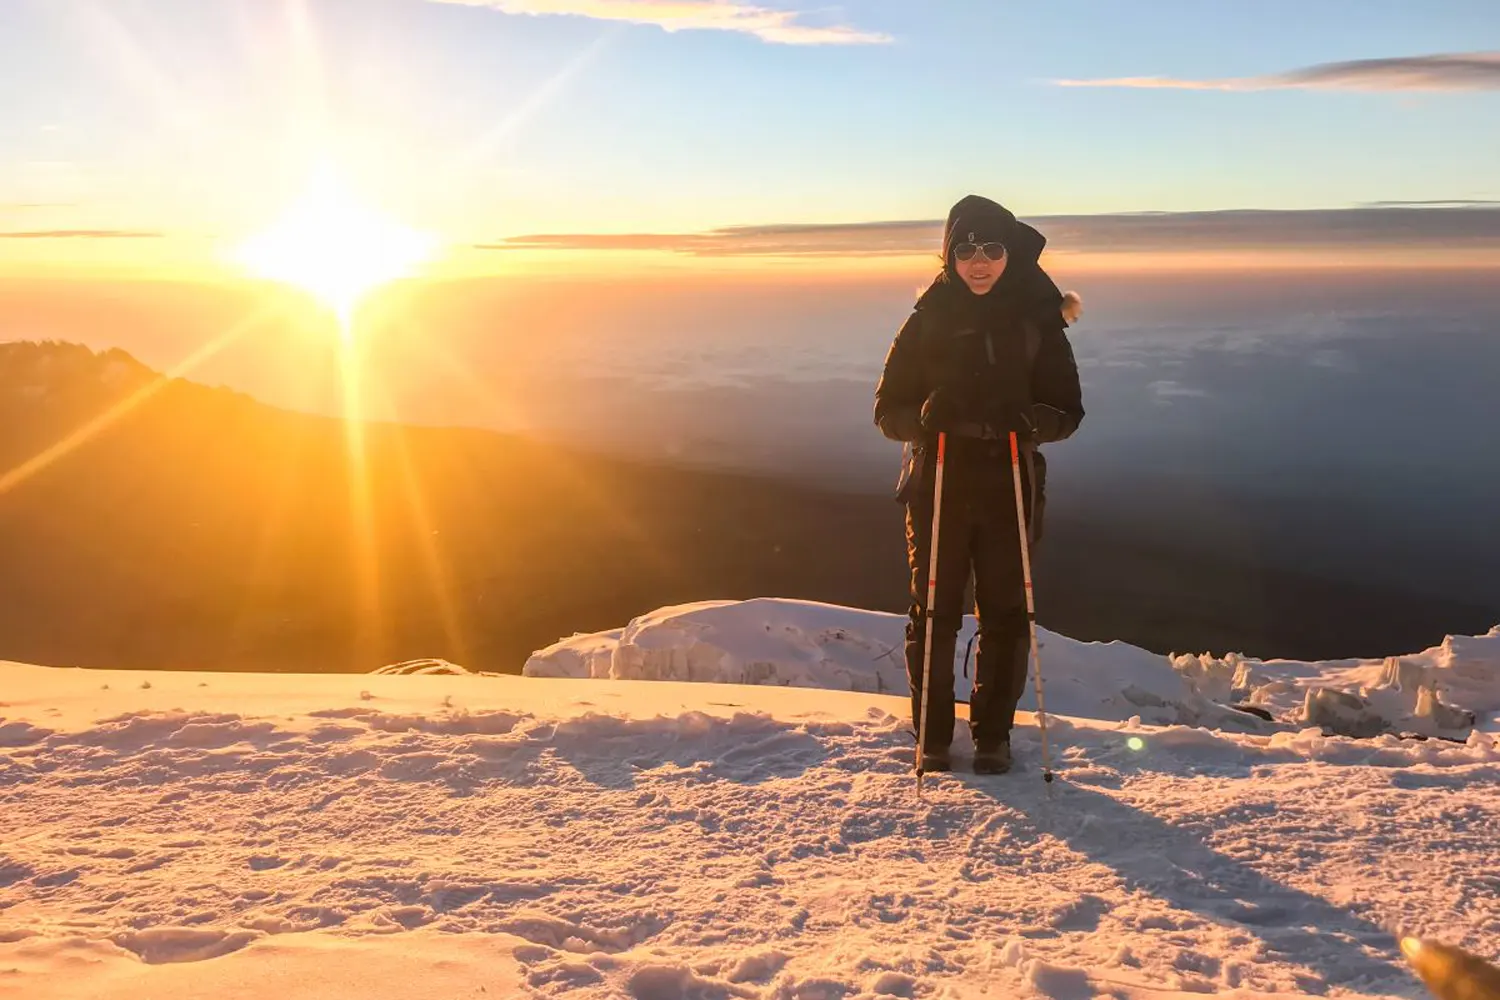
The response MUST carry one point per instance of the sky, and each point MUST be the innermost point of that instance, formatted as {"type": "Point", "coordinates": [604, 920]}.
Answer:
{"type": "Point", "coordinates": [159, 129]}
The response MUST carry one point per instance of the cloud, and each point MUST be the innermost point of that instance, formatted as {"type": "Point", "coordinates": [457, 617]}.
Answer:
{"type": "Point", "coordinates": [778, 26]}
{"type": "Point", "coordinates": [1167, 390]}
{"type": "Point", "coordinates": [1438, 203]}
{"type": "Point", "coordinates": [1443, 72]}
{"type": "Point", "coordinates": [864, 238]}
{"type": "Point", "coordinates": [82, 234]}
{"type": "Point", "coordinates": [1428, 227]}
{"type": "Point", "coordinates": [1414, 227]}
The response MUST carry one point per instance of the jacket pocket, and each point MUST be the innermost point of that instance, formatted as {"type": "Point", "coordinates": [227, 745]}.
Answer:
{"type": "Point", "coordinates": [909, 484]}
{"type": "Point", "coordinates": [1039, 503]}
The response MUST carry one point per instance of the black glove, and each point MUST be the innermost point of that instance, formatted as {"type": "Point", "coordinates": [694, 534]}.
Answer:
{"type": "Point", "coordinates": [1003, 420]}
{"type": "Point", "coordinates": [942, 411]}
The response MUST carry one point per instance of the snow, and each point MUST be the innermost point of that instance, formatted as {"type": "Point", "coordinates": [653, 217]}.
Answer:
{"type": "Point", "coordinates": [1442, 692]}
{"type": "Point", "coordinates": [429, 832]}
{"type": "Point", "coordinates": [428, 966]}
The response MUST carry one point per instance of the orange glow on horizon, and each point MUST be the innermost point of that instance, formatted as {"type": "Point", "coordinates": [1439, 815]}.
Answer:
{"type": "Point", "coordinates": [344, 282]}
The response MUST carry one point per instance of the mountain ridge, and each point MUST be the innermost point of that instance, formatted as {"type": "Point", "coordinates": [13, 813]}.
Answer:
{"type": "Point", "coordinates": [201, 528]}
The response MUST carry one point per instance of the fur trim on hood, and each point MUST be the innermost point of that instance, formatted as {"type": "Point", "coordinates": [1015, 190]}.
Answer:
{"type": "Point", "coordinates": [1072, 307]}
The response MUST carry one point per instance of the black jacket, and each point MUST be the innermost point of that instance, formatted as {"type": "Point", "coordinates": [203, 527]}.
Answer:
{"type": "Point", "coordinates": [1008, 348]}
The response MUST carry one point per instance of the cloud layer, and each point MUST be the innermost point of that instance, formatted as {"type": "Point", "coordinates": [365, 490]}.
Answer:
{"type": "Point", "coordinates": [778, 26]}
{"type": "Point", "coordinates": [1445, 72]}
{"type": "Point", "coordinates": [1475, 227]}
{"type": "Point", "coordinates": [81, 234]}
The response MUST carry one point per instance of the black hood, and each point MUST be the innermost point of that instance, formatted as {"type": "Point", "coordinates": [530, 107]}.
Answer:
{"type": "Point", "coordinates": [1024, 287]}
{"type": "Point", "coordinates": [979, 220]}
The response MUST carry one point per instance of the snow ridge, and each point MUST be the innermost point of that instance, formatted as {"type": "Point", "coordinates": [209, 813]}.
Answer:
{"type": "Point", "coordinates": [1443, 692]}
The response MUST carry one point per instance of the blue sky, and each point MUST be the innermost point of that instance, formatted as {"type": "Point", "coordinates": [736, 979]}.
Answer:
{"type": "Point", "coordinates": [203, 115]}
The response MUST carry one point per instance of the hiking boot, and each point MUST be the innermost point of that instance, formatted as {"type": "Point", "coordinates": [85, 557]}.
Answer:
{"type": "Point", "coordinates": [992, 760]}
{"type": "Point", "coordinates": [936, 760]}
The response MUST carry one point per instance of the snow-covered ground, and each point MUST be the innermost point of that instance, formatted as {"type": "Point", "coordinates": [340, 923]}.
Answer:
{"type": "Point", "coordinates": [425, 833]}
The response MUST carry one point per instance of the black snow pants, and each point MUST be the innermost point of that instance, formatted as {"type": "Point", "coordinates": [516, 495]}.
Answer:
{"type": "Point", "coordinates": [977, 534]}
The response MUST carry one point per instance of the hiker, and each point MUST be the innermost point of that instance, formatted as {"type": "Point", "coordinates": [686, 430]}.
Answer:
{"type": "Point", "coordinates": [984, 353]}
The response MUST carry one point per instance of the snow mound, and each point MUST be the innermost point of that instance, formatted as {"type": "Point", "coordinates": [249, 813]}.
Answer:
{"type": "Point", "coordinates": [1444, 692]}
{"type": "Point", "coordinates": [786, 643]}
{"type": "Point", "coordinates": [582, 655]}
{"type": "Point", "coordinates": [1466, 670]}
{"type": "Point", "coordinates": [423, 667]}
{"type": "Point", "coordinates": [790, 643]}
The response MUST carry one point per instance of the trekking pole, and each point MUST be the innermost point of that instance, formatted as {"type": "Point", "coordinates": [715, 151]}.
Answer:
{"type": "Point", "coordinates": [932, 568]}
{"type": "Point", "coordinates": [1041, 707]}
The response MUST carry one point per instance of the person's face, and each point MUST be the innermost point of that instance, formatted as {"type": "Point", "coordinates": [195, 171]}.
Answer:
{"type": "Point", "coordinates": [980, 265]}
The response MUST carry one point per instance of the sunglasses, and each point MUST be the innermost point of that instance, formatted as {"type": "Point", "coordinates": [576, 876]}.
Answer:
{"type": "Point", "coordinates": [993, 251]}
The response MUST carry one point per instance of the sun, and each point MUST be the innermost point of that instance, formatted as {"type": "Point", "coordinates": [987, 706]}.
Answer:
{"type": "Point", "coordinates": [333, 246]}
